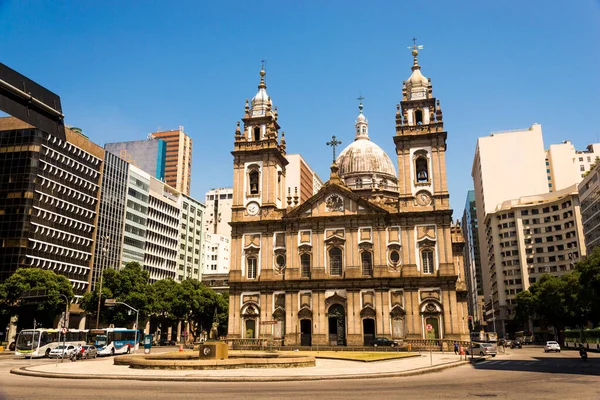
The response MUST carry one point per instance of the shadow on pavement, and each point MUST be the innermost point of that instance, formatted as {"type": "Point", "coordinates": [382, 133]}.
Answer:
{"type": "Point", "coordinates": [556, 365]}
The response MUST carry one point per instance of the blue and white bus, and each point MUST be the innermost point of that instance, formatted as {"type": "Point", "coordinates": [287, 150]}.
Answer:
{"type": "Point", "coordinates": [111, 341]}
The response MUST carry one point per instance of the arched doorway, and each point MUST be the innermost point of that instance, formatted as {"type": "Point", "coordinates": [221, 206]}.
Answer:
{"type": "Point", "coordinates": [306, 332]}
{"type": "Point", "coordinates": [337, 325]}
{"type": "Point", "coordinates": [368, 331]}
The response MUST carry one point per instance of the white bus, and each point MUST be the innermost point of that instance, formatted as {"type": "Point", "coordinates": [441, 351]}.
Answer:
{"type": "Point", "coordinates": [38, 342]}
{"type": "Point", "coordinates": [111, 341]}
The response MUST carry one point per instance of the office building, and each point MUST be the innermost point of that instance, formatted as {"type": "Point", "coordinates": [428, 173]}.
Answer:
{"type": "Point", "coordinates": [178, 164]}
{"type": "Point", "coordinates": [191, 239]}
{"type": "Point", "coordinates": [218, 209]}
{"type": "Point", "coordinates": [300, 178]}
{"type": "Point", "coordinates": [111, 214]}
{"type": "Point", "coordinates": [147, 155]}
{"type": "Point", "coordinates": [473, 275]}
{"type": "Point", "coordinates": [216, 266]}
{"type": "Point", "coordinates": [49, 200]}
{"type": "Point", "coordinates": [566, 166]}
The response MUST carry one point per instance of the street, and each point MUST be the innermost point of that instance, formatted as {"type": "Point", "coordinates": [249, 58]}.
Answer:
{"type": "Point", "coordinates": [523, 373]}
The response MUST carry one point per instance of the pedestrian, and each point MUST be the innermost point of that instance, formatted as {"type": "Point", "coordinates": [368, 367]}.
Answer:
{"type": "Point", "coordinates": [455, 348]}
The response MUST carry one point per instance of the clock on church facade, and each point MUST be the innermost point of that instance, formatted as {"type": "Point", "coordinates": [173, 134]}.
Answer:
{"type": "Point", "coordinates": [373, 253]}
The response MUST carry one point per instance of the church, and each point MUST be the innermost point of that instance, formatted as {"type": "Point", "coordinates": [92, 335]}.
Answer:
{"type": "Point", "coordinates": [374, 253]}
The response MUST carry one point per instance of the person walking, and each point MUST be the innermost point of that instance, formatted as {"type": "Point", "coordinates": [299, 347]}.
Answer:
{"type": "Point", "coordinates": [455, 348]}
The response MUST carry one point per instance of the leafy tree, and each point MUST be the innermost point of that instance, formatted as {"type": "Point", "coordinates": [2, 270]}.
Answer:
{"type": "Point", "coordinates": [526, 307]}
{"type": "Point", "coordinates": [44, 309]}
{"type": "Point", "coordinates": [589, 279]}
{"type": "Point", "coordinates": [130, 286]}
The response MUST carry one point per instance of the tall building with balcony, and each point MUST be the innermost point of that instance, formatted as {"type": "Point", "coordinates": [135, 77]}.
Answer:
{"type": "Point", "coordinates": [136, 216]}
{"type": "Point", "coordinates": [526, 238]}
{"type": "Point", "coordinates": [162, 231]}
{"type": "Point", "coordinates": [147, 155]}
{"type": "Point", "coordinates": [178, 162]}
{"type": "Point", "coordinates": [589, 195]}
{"type": "Point", "coordinates": [190, 260]}
{"type": "Point", "coordinates": [49, 200]}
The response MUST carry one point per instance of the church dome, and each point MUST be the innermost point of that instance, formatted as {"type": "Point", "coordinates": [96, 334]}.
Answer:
{"type": "Point", "coordinates": [363, 164]}
{"type": "Point", "coordinates": [365, 157]}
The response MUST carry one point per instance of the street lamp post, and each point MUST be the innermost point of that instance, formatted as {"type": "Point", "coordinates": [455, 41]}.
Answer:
{"type": "Point", "coordinates": [112, 302]}
{"type": "Point", "coordinates": [104, 254]}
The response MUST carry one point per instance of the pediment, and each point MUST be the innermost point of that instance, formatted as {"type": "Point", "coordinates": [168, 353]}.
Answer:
{"type": "Point", "coordinates": [335, 200]}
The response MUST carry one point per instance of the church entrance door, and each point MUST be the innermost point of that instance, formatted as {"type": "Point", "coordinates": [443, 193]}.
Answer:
{"type": "Point", "coordinates": [337, 325]}
{"type": "Point", "coordinates": [305, 332]}
{"type": "Point", "coordinates": [435, 332]}
{"type": "Point", "coordinates": [368, 331]}
{"type": "Point", "coordinates": [250, 329]}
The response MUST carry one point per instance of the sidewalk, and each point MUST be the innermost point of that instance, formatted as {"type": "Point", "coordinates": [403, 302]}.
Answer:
{"type": "Point", "coordinates": [103, 368]}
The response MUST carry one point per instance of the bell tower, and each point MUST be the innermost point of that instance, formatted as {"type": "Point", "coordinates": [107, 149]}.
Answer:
{"type": "Point", "coordinates": [420, 144]}
{"type": "Point", "coordinates": [259, 159]}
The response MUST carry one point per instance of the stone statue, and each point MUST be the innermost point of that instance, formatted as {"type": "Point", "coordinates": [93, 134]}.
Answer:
{"type": "Point", "coordinates": [214, 330]}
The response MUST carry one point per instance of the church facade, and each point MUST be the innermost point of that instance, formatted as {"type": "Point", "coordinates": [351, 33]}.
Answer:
{"type": "Point", "coordinates": [373, 253]}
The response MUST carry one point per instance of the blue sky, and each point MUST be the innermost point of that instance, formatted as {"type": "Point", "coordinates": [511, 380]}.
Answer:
{"type": "Point", "coordinates": [123, 69]}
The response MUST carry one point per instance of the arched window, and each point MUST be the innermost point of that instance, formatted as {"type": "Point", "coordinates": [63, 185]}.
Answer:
{"type": "Point", "coordinates": [335, 261]}
{"type": "Point", "coordinates": [421, 168]}
{"type": "Point", "coordinates": [418, 117]}
{"type": "Point", "coordinates": [251, 267]}
{"type": "Point", "coordinates": [367, 263]}
{"type": "Point", "coordinates": [305, 265]}
{"type": "Point", "coordinates": [427, 261]}
{"type": "Point", "coordinates": [257, 133]}
{"type": "Point", "coordinates": [253, 175]}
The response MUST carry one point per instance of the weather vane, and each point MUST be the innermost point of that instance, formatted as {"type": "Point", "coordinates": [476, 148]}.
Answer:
{"type": "Point", "coordinates": [415, 46]}
{"type": "Point", "coordinates": [333, 143]}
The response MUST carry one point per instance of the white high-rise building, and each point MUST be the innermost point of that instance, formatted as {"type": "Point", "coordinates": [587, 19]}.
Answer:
{"type": "Point", "coordinates": [217, 263]}
{"type": "Point", "coordinates": [190, 260]}
{"type": "Point", "coordinates": [514, 175]}
{"type": "Point", "coordinates": [218, 211]}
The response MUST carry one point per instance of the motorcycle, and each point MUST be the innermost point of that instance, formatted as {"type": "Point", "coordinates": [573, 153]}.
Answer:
{"type": "Point", "coordinates": [76, 355]}
{"type": "Point", "coordinates": [583, 354]}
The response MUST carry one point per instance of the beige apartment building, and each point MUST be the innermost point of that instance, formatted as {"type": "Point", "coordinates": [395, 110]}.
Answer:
{"type": "Point", "coordinates": [513, 174]}
{"type": "Point", "coordinates": [178, 165]}
{"type": "Point", "coordinates": [526, 238]}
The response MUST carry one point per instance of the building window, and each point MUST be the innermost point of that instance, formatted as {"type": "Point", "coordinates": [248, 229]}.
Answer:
{"type": "Point", "coordinates": [394, 257]}
{"type": "Point", "coordinates": [280, 261]}
{"type": "Point", "coordinates": [358, 183]}
{"type": "Point", "coordinates": [257, 133]}
{"type": "Point", "coordinates": [251, 267]}
{"type": "Point", "coordinates": [305, 265]}
{"type": "Point", "coordinates": [427, 259]}
{"type": "Point", "coordinates": [367, 263]}
{"type": "Point", "coordinates": [253, 182]}
{"type": "Point", "coordinates": [335, 261]}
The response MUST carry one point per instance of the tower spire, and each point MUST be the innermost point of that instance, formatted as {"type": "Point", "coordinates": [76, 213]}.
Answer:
{"type": "Point", "coordinates": [415, 53]}
{"type": "Point", "coordinates": [362, 125]}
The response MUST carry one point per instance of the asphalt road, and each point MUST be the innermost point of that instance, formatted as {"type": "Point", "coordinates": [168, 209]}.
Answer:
{"type": "Point", "coordinates": [528, 374]}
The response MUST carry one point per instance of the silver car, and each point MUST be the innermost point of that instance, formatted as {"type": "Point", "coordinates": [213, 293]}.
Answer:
{"type": "Point", "coordinates": [89, 351]}
{"type": "Point", "coordinates": [61, 351]}
{"type": "Point", "coordinates": [482, 349]}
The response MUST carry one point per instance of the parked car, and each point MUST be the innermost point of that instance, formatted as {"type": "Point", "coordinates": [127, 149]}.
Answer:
{"type": "Point", "coordinates": [381, 341]}
{"type": "Point", "coordinates": [165, 342]}
{"type": "Point", "coordinates": [515, 344]}
{"type": "Point", "coordinates": [61, 351]}
{"type": "Point", "coordinates": [89, 351]}
{"type": "Point", "coordinates": [482, 349]}
{"type": "Point", "coordinates": [552, 346]}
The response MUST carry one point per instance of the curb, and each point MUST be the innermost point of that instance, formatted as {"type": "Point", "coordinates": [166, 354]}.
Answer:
{"type": "Point", "coordinates": [25, 372]}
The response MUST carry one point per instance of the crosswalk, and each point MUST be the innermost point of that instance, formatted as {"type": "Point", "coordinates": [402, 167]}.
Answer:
{"type": "Point", "coordinates": [511, 362]}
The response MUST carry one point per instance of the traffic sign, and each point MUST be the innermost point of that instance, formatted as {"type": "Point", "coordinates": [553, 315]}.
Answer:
{"type": "Point", "coordinates": [429, 327]}
{"type": "Point", "coordinates": [470, 318]}
{"type": "Point", "coordinates": [64, 330]}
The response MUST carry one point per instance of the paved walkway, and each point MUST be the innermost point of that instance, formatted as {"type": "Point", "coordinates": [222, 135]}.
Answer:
{"type": "Point", "coordinates": [103, 368]}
